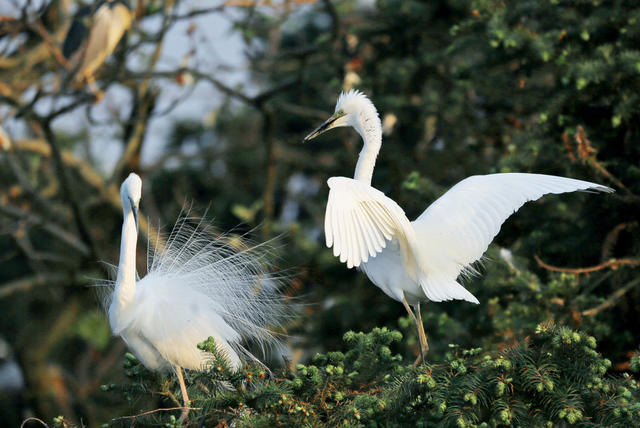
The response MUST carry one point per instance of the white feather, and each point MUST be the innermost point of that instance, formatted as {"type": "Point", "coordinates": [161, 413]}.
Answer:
{"type": "Point", "coordinates": [422, 259]}
{"type": "Point", "coordinates": [457, 229]}
{"type": "Point", "coordinates": [199, 285]}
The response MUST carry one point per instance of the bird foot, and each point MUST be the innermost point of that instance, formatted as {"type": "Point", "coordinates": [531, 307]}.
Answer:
{"type": "Point", "coordinates": [423, 351]}
{"type": "Point", "coordinates": [421, 357]}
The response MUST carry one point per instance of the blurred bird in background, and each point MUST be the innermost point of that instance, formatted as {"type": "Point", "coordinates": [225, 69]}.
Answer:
{"type": "Point", "coordinates": [92, 37]}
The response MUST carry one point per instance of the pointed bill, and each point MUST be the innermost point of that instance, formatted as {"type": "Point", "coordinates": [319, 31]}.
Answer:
{"type": "Point", "coordinates": [327, 125]}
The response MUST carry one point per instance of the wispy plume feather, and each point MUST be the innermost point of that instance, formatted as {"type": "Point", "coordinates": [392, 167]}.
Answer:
{"type": "Point", "coordinates": [210, 276]}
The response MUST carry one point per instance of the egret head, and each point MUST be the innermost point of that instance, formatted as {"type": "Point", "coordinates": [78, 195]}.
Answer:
{"type": "Point", "coordinates": [130, 193]}
{"type": "Point", "coordinates": [352, 109]}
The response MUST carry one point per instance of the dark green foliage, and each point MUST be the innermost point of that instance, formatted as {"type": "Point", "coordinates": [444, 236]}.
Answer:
{"type": "Point", "coordinates": [554, 376]}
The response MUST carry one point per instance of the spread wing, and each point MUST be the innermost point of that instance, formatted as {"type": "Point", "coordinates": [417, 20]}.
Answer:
{"type": "Point", "coordinates": [458, 227]}
{"type": "Point", "coordinates": [361, 220]}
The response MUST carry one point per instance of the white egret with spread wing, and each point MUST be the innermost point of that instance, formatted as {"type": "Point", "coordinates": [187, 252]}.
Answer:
{"type": "Point", "coordinates": [420, 260]}
{"type": "Point", "coordinates": [196, 287]}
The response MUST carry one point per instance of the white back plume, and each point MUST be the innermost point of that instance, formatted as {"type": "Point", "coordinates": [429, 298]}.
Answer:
{"type": "Point", "coordinates": [201, 284]}
{"type": "Point", "coordinates": [234, 272]}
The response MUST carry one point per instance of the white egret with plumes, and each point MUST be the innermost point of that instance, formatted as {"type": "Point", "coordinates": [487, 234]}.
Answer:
{"type": "Point", "coordinates": [196, 287]}
{"type": "Point", "coordinates": [420, 260]}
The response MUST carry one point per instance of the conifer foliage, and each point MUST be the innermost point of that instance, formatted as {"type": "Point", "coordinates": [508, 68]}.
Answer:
{"type": "Point", "coordinates": [553, 377]}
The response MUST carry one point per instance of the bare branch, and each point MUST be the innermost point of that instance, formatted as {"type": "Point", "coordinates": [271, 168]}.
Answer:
{"type": "Point", "coordinates": [149, 412]}
{"type": "Point", "coordinates": [109, 192]}
{"type": "Point", "coordinates": [51, 45]}
{"type": "Point", "coordinates": [81, 221]}
{"type": "Point", "coordinates": [21, 175]}
{"type": "Point", "coordinates": [50, 279]}
{"type": "Point", "coordinates": [33, 419]}
{"type": "Point", "coordinates": [588, 155]}
{"type": "Point", "coordinates": [612, 264]}
{"type": "Point", "coordinates": [611, 300]}
{"type": "Point", "coordinates": [335, 19]}
{"type": "Point", "coordinates": [35, 220]}
{"type": "Point", "coordinates": [270, 162]}
{"type": "Point", "coordinates": [197, 12]}
{"type": "Point", "coordinates": [612, 238]}
{"type": "Point", "coordinates": [141, 115]}
{"type": "Point", "coordinates": [255, 101]}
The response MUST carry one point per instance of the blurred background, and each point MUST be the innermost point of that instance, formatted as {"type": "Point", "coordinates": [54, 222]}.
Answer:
{"type": "Point", "coordinates": [209, 102]}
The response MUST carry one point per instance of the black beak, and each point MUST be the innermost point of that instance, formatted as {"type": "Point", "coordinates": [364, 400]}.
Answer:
{"type": "Point", "coordinates": [134, 208]}
{"type": "Point", "coordinates": [327, 125]}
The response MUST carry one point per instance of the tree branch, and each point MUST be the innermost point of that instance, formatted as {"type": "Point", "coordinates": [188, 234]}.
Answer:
{"type": "Point", "coordinates": [611, 300]}
{"type": "Point", "coordinates": [52, 228]}
{"type": "Point", "coordinates": [81, 222]}
{"type": "Point", "coordinates": [613, 264]}
{"type": "Point", "coordinates": [254, 101]}
{"type": "Point", "coordinates": [109, 192]}
{"type": "Point", "coordinates": [335, 19]}
{"type": "Point", "coordinates": [39, 280]}
{"type": "Point", "coordinates": [149, 412]}
{"type": "Point", "coordinates": [18, 172]}
{"type": "Point", "coordinates": [141, 116]}
{"type": "Point", "coordinates": [589, 156]}
{"type": "Point", "coordinates": [612, 237]}
{"type": "Point", "coordinates": [270, 163]}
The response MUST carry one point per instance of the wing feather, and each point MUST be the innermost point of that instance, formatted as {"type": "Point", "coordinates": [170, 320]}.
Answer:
{"type": "Point", "coordinates": [458, 227]}
{"type": "Point", "coordinates": [353, 238]}
{"type": "Point", "coordinates": [360, 220]}
{"type": "Point", "coordinates": [373, 245]}
{"type": "Point", "coordinates": [363, 247]}
{"type": "Point", "coordinates": [342, 244]}
{"type": "Point", "coordinates": [328, 225]}
{"type": "Point", "coordinates": [381, 219]}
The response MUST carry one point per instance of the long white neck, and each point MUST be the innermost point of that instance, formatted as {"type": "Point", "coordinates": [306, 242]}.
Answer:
{"type": "Point", "coordinates": [370, 129]}
{"type": "Point", "coordinates": [126, 280]}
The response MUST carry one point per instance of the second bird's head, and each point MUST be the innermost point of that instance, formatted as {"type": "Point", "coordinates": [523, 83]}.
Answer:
{"type": "Point", "coordinates": [130, 193]}
{"type": "Point", "coordinates": [352, 109]}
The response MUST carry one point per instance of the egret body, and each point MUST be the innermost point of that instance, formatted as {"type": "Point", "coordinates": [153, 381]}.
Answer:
{"type": "Point", "coordinates": [420, 260]}
{"type": "Point", "coordinates": [195, 287]}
